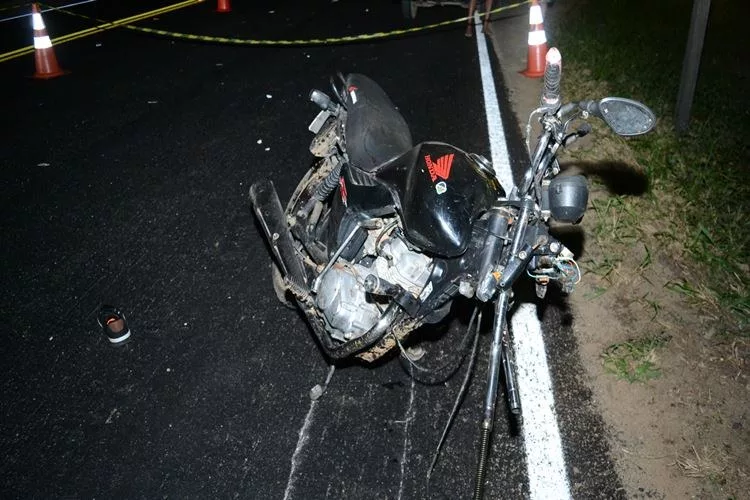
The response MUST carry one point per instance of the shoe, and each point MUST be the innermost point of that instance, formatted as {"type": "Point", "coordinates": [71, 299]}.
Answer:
{"type": "Point", "coordinates": [113, 324]}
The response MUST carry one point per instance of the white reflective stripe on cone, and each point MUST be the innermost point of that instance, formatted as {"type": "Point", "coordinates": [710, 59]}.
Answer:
{"type": "Point", "coordinates": [535, 15]}
{"type": "Point", "coordinates": [537, 37]}
{"type": "Point", "coordinates": [42, 42]}
{"type": "Point", "coordinates": [37, 21]}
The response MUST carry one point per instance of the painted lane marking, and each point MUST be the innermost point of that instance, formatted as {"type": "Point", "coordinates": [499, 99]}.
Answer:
{"type": "Point", "coordinates": [545, 462]}
{"type": "Point", "coordinates": [498, 146]}
{"type": "Point", "coordinates": [541, 435]}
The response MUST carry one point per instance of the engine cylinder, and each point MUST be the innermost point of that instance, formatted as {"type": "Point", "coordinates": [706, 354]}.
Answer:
{"type": "Point", "coordinates": [344, 303]}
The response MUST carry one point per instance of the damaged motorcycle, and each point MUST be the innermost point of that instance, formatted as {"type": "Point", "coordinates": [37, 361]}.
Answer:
{"type": "Point", "coordinates": [382, 235]}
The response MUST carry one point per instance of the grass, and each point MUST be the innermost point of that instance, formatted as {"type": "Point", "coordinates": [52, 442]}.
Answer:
{"type": "Point", "coordinates": [652, 305]}
{"type": "Point", "coordinates": [636, 359]}
{"type": "Point", "coordinates": [698, 180]}
{"type": "Point", "coordinates": [710, 464]}
{"type": "Point", "coordinates": [616, 219]}
{"type": "Point", "coordinates": [595, 293]}
{"type": "Point", "coordinates": [603, 268]}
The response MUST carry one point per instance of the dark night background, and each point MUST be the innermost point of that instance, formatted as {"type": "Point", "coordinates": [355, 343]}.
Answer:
{"type": "Point", "coordinates": [126, 182]}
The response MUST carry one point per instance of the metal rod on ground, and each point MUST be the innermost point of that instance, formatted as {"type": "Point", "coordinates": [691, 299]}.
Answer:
{"type": "Point", "coordinates": [691, 63]}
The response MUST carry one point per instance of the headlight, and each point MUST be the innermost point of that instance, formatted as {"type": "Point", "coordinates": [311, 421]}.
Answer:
{"type": "Point", "coordinates": [566, 197]}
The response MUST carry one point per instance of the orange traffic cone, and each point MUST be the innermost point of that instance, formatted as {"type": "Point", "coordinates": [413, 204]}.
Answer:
{"type": "Point", "coordinates": [44, 54]}
{"type": "Point", "coordinates": [537, 43]}
{"type": "Point", "coordinates": [224, 6]}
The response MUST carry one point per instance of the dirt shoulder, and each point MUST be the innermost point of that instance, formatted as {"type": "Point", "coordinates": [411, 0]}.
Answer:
{"type": "Point", "coordinates": [673, 393]}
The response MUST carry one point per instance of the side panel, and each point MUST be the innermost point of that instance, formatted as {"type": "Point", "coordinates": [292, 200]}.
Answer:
{"type": "Point", "coordinates": [363, 193]}
{"type": "Point", "coordinates": [352, 201]}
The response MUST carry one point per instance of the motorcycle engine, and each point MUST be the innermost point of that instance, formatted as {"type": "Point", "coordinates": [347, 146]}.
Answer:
{"type": "Point", "coordinates": [350, 311]}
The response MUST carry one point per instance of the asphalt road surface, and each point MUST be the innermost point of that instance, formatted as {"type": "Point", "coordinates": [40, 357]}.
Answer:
{"type": "Point", "coordinates": [126, 182]}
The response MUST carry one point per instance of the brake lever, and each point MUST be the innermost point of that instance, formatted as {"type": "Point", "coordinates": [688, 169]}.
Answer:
{"type": "Point", "coordinates": [582, 131]}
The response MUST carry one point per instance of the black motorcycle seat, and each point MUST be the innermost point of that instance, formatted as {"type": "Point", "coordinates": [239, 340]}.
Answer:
{"type": "Point", "coordinates": [375, 130]}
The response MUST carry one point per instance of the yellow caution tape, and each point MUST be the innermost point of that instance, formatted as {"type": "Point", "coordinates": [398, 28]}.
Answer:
{"type": "Point", "coordinates": [13, 7]}
{"type": "Point", "coordinates": [98, 29]}
{"type": "Point", "coordinates": [312, 41]}
{"type": "Point", "coordinates": [125, 23]}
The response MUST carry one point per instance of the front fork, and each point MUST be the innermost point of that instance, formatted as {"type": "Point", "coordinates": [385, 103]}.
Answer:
{"type": "Point", "coordinates": [501, 351]}
{"type": "Point", "coordinates": [500, 354]}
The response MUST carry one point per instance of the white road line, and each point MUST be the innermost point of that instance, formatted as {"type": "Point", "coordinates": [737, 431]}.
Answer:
{"type": "Point", "coordinates": [498, 144]}
{"type": "Point", "coordinates": [544, 456]}
{"type": "Point", "coordinates": [545, 462]}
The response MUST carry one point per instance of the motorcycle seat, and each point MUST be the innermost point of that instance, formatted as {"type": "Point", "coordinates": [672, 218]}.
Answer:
{"type": "Point", "coordinates": [375, 130]}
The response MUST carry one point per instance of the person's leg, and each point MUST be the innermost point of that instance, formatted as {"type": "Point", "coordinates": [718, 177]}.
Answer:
{"type": "Point", "coordinates": [470, 23]}
{"type": "Point", "coordinates": [487, 9]}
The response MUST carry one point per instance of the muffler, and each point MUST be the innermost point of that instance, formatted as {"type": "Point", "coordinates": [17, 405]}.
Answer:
{"type": "Point", "coordinates": [267, 208]}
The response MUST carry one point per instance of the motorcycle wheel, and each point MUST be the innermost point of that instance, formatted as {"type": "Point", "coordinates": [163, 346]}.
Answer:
{"type": "Point", "coordinates": [314, 175]}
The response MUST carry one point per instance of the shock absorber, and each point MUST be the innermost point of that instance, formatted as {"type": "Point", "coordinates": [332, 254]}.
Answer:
{"type": "Point", "coordinates": [552, 73]}
{"type": "Point", "coordinates": [329, 184]}
{"type": "Point", "coordinates": [497, 230]}
{"type": "Point", "coordinates": [322, 192]}
{"type": "Point", "coordinates": [493, 375]}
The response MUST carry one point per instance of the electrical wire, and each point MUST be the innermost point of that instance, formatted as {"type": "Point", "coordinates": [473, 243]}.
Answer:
{"type": "Point", "coordinates": [385, 230]}
{"type": "Point", "coordinates": [458, 401]}
{"type": "Point", "coordinates": [559, 263]}
{"type": "Point", "coordinates": [452, 365]}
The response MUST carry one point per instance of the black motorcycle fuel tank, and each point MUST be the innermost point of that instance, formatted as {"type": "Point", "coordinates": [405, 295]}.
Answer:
{"type": "Point", "coordinates": [439, 190]}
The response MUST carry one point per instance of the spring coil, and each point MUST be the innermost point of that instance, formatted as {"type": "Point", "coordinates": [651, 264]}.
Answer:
{"type": "Point", "coordinates": [482, 467]}
{"type": "Point", "coordinates": [299, 291]}
{"type": "Point", "coordinates": [329, 184]}
{"type": "Point", "coordinates": [552, 72]}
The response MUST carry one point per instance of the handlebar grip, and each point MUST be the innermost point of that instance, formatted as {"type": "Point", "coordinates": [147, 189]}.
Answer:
{"type": "Point", "coordinates": [567, 108]}
{"type": "Point", "coordinates": [552, 74]}
{"type": "Point", "coordinates": [321, 99]}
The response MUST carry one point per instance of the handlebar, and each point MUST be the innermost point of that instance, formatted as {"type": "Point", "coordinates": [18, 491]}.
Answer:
{"type": "Point", "coordinates": [591, 107]}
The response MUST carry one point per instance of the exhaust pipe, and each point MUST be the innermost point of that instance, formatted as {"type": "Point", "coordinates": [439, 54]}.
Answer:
{"type": "Point", "coordinates": [267, 208]}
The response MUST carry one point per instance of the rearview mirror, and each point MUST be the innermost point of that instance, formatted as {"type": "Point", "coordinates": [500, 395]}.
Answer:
{"type": "Point", "coordinates": [625, 116]}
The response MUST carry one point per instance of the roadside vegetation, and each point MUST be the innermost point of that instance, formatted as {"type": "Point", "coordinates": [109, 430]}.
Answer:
{"type": "Point", "coordinates": [692, 199]}
{"type": "Point", "coordinates": [635, 360]}
{"type": "Point", "coordinates": [663, 323]}
{"type": "Point", "coordinates": [666, 242]}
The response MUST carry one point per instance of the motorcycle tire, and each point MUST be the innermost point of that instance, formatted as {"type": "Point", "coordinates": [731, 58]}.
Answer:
{"type": "Point", "coordinates": [315, 174]}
